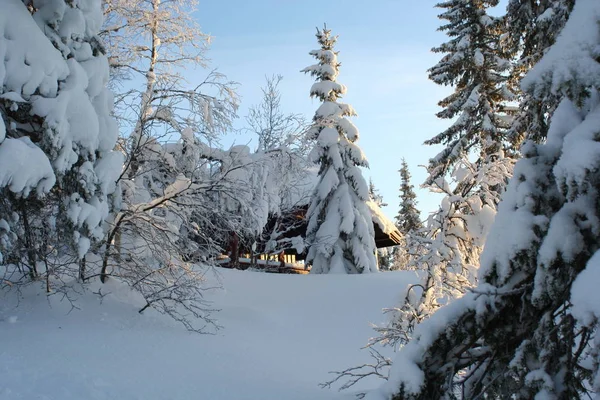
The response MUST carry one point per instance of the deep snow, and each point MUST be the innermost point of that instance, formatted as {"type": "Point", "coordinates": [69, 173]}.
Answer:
{"type": "Point", "coordinates": [281, 335]}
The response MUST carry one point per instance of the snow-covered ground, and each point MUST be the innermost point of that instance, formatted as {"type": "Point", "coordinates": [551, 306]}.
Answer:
{"type": "Point", "coordinates": [281, 335]}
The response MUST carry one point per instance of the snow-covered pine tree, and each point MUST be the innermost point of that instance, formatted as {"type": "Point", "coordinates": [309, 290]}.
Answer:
{"type": "Point", "coordinates": [408, 218]}
{"type": "Point", "coordinates": [531, 28]}
{"type": "Point", "coordinates": [340, 233]}
{"type": "Point", "coordinates": [529, 330]}
{"type": "Point", "coordinates": [86, 166]}
{"type": "Point", "coordinates": [26, 173]}
{"type": "Point", "coordinates": [475, 64]}
{"type": "Point", "coordinates": [408, 222]}
{"type": "Point", "coordinates": [534, 26]}
{"type": "Point", "coordinates": [58, 135]}
{"type": "Point", "coordinates": [375, 196]}
{"type": "Point", "coordinates": [448, 248]}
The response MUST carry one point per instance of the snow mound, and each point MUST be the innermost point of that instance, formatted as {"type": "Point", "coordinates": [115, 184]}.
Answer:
{"type": "Point", "coordinates": [281, 336]}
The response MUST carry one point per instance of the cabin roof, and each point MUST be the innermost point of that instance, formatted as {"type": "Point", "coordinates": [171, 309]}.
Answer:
{"type": "Point", "coordinates": [386, 233]}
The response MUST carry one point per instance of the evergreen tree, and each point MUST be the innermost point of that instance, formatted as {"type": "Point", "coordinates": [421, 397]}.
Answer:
{"type": "Point", "coordinates": [531, 28]}
{"type": "Point", "coordinates": [58, 135]}
{"type": "Point", "coordinates": [408, 218]}
{"type": "Point", "coordinates": [340, 233]}
{"type": "Point", "coordinates": [448, 247]}
{"type": "Point", "coordinates": [529, 330]}
{"type": "Point", "coordinates": [408, 222]}
{"type": "Point", "coordinates": [375, 196]}
{"type": "Point", "coordinates": [475, 65]}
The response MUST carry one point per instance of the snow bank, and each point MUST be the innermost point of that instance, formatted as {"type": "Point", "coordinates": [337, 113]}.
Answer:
{"type": "Point", "coordinates": [282, 335]}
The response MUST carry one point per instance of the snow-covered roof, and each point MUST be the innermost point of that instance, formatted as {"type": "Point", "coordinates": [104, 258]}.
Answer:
{"type": "Point", "coordinates": [304, 193]}
{"type": "Point", "coordinates": [381, 220]}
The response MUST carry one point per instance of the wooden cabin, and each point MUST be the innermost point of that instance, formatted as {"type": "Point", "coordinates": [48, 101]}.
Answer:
{"type": "Point", "coordinates": [386, 235]}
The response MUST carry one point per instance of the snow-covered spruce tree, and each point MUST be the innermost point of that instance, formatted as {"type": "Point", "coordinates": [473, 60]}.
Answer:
{"type": "Point", "coordinates": [340, 233]}
{"type": "Point", "coordinates": [529, 330]}
{"type": "Point", "coordinates": [375, 196]}
{"type": "Point", "coordinates": [58, 134]}
{"type": "Point", "coordinates": [408, 218]}
{"type": "Point", "coordinates": [475, 65]}
{"type": "Point", "coordinates": [408, 221]}
{"type": "Point", "coordinates": [449, 246]}
{"type": "Point", "coordinates": [531, 28]}
{"type": "Point", "coordinates": [26, 174]}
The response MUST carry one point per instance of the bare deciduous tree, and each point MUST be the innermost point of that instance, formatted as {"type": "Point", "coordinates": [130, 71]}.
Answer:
{"type": "Point", "coordinates": [170, 187]}
{"type": "Point", "coordinates": [274, 128]}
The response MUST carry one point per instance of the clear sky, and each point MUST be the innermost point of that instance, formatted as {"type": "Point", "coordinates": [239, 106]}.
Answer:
{"type": "Point", "coordinates": [385, 52]}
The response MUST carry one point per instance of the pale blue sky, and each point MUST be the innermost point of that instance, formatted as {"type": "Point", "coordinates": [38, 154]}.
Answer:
{"type": "Point", "coordinates": [384, 49]}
